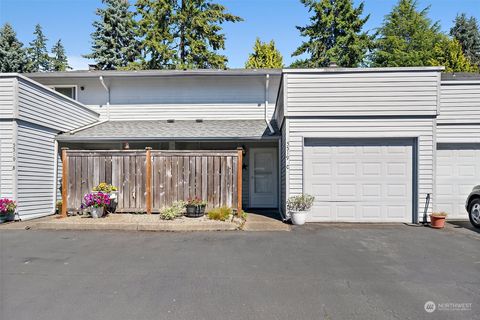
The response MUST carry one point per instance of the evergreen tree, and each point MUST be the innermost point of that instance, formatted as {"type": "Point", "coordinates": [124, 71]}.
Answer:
{"type": "Point", "coordinates": [155, 28]}
{"type": "Point", "coordinates": [334, 35]}
{"type": "Point", "coordinates": [467, 32]}
{"type": "Point", "coordinates": [406, 37]}
{"type": "Point", "coordinates": [448, 53]}
{"type": "Point", "coordinates": [180, 34]}
{"type": "Point", "coordinates": [59, 59]}
{"type": "Point", "coordinates": [265, 55]}
{"type": "Point", "coordinates": [38, 53]}
{"type": "Point", "coordinates": [114, 42]}
{"type": "Point", "coordinates": [13, 56]}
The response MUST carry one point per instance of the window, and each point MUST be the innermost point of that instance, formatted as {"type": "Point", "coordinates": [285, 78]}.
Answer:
{"type": "Point", "coordinates": [69, 91]}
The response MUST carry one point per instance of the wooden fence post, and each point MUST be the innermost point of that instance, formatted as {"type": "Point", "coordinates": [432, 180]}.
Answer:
{"type": "Point", "coordinates": [239, 179]}
{"type": "Point", "coordinates": [148, 179]}
{"type": "Point", "coordinates": [64, 183]}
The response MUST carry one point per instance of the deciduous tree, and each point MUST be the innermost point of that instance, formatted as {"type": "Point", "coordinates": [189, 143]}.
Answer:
{"type": "Point", "coordinates": [448, 53]}
{"type": "Point", "coordinates": [265, 55]}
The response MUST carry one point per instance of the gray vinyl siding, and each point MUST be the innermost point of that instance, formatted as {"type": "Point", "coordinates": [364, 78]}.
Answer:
{"type": "Point", "coordinates": [459, 103]}
{"type": "Point", "coordinates": [362, 93]}
{"type": "Point", "coordinates": [181, 98]}
{"type": "Point", "coordinates": [30, 118]}
{"type": "Point", "coordinates": [458, 133]}
{"type": "Point", "coordinates": [7, 97]}
{"type": "Point", "coordinates": [7, 163]}
{"type": "Point", "coordinates": [459, 118]}
{"type": "Point", "coordinates": [36, 170]}
{"type": "Point", "coordinates": [44, 107]}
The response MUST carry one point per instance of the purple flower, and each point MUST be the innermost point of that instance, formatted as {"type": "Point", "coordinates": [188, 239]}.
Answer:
{"type": "Point", "coordinates": [96, 200]}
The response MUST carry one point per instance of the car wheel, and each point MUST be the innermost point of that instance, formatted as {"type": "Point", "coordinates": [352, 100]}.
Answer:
{"type": "Point", "coordinates": [474, 213]}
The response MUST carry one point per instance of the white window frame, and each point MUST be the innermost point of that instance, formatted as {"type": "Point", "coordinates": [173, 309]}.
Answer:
{"type": "Point", "coordinates": [53, 86]}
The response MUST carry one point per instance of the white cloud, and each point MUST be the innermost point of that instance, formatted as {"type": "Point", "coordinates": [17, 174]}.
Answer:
{"type": "Point", "coordinates": [79, 63]}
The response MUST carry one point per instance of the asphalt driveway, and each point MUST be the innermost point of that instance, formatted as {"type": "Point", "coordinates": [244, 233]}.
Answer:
{"type": "Point", "coordinates": [316, 272]}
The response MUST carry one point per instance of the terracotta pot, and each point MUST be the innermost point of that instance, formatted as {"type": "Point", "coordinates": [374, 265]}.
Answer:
{"type": "Point", "coordinates": [437, 222]}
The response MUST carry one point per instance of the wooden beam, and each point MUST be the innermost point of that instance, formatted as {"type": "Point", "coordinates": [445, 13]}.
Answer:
{"type": "Point", "coordinates": [64, 183]}
{"type": "Point", "coordinates": [239, 180]}
{"type": "Point", "coordinates": [148, 180]}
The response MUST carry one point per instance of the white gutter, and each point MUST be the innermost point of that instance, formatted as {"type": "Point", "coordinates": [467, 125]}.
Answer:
{"type": "Point", "coordinates": [267, 83]}
{"type": "Point", "coordinates": [108, 96]}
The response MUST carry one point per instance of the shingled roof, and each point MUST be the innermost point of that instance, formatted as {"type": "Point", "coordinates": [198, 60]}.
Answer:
{"type": "Point", "coordinates": [177, 130]}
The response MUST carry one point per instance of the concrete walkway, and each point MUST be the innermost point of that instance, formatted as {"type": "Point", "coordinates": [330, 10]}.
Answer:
{"type": "Point", "coordinates": [259, 222]}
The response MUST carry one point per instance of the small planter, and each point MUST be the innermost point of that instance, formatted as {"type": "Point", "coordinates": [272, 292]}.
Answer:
{"type": "Point", "coordinates": [299, 206]}
{"type": "Point", "coordinates": [299, 217]}
{"type": "Point", "coordinates": [96, 212]}
{"type": "Point", "coordinates": [10, 216]}
{"type": "Point", "coordinates": [437, 222]}
{"type": "Point", "coordinates": [193, 211]}
{"type": "Point", "coordinates": [112, 207]}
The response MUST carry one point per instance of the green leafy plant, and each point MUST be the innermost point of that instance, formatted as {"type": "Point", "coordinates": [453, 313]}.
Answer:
{"type": "Point", "coordinates": [58, 205]}
{"type": "Point", "coordinates": [301, 202]}
{"type": "Point", "coordinates": [105, 187]}
{"type": "Point", "coordinates": [173, 212]}
{"type": "Point", "coordinates": [221, 214]}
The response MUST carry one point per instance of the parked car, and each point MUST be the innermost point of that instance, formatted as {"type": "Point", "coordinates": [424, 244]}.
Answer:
{"type": "Point", "coordinates": [473, 206]}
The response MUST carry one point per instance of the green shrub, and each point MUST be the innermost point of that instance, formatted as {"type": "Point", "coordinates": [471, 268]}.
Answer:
{"type": "Point", "coordinates": [301, 202]}
{"type": "Point", "coordinates": [222, 213]}
{"type": "Point", "coordinates": [173, 212]}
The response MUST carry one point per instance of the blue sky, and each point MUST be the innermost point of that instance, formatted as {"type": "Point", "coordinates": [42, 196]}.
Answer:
{"type": "Point", "coordinates": [71, 20]}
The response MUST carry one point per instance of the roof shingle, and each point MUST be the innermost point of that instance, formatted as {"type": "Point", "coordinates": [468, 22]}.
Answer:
{"type": "Point", "coordinates": [178, 130]}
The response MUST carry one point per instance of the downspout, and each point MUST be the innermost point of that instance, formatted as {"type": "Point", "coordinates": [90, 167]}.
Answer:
{"type": "Point", "coordinates": [267, 83]}
{"type": "Point", "coordinates": [108, 96]}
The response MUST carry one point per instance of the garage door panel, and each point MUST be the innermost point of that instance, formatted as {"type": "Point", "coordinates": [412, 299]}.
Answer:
{"type": "Point", "coordinates": [458, 171]}
{"type": "Point", "coordinates": [372, 212]}
{"type": "Point", "coordinates": [373, 185]}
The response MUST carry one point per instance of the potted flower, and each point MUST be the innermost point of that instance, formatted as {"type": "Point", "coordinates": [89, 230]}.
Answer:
{"type": "Point", "coordinates": [195, 207]}
{"type": "Point", "coordinates": [437, 220]}
{"type": "Point", "coordinates": [112, 191]}
{"type": "Point", "coordinates": [96, 202]}
{"type": "Point", "coordinates": [7, 210]}
{"type": "Point", "coordinates": [58, 206]}
{"type": "Point", "coordinates": [298, 206]}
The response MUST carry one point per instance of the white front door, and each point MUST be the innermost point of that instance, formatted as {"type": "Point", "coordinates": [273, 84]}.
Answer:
{"type": "Point", "coordinates": [263, 178]}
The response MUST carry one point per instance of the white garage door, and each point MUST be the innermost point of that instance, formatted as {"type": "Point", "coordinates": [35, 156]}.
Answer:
{"type": "Point", "coordinates": [359, 180]}
{"type": "Point", "coordinates": [458, 171]}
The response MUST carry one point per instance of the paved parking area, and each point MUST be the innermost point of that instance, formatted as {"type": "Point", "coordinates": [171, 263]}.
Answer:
{"type": "Point", "coordinates": [313, 272]}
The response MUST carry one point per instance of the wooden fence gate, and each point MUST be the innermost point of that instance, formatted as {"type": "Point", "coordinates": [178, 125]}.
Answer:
{"type": "Point", "coordinates": [151, 180]}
